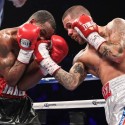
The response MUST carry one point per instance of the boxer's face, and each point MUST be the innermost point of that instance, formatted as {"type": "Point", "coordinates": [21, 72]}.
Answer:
{"type": "Point", "coordinates": [46, 31]}
{"type": "Point", "coordinates": [67, 23]}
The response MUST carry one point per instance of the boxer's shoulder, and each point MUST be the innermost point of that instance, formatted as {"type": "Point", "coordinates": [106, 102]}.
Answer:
{"type": "Point", "coordinates": [7, 35]}
{"type": "Point", "coordinates": [116, 23]}
{"type": "Point", "coordinates": [8, 31]}
{"type": "Point", "coordinates": [78, 55]}
{"type": "Point", "coordinates": [7, 40]}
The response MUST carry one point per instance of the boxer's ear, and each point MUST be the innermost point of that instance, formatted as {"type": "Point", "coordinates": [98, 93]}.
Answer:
{"type": "Point", "coordinates": [33, 21]}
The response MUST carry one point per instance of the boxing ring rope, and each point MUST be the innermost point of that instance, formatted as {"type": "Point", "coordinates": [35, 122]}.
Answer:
{"type": "Point", "coordinates": [96, 103]}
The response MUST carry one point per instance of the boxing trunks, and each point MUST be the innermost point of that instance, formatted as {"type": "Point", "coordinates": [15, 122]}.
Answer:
{"type": "Point", "coordinates": [114, 94]}
{"type": "Point", "coordinates": [15, 106]}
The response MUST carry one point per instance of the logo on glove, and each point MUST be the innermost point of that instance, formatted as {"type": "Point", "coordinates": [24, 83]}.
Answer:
{"type": "Point", "coordinates": [88, 25]}
{"type": "Point", "coordinates": [25, 43]}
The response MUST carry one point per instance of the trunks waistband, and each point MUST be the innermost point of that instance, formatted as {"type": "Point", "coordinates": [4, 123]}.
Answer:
{"type": "Point", "coordinates": [11, 96]}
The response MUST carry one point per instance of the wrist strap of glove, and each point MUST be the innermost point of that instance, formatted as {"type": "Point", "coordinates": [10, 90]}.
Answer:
{"type": "Point", "coordinates": [24, 56]}
{"type": "Point", "coordinates": [95, 40]}
{"type": "Point", "coordinates": [49, 65]}
{"type": "Point", "coordinates": [43, 70]}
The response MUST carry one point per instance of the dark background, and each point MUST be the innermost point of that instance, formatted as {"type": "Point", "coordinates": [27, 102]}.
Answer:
{"type": "Point", "coordinates": [102, 12]}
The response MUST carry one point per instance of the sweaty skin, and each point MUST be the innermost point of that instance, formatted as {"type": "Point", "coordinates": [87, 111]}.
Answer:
{"type": "Point", "coordinates": [106, 63]}
{"type": "Point", "coordinates": [13, 71]}
{"type": "Point", "coordinates": [9, 49]}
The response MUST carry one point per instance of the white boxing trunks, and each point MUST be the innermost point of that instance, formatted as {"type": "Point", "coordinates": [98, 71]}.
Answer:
{"type": "Point", "coordinates": [114, 94]}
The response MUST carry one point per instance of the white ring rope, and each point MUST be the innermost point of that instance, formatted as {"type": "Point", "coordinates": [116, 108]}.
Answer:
{"type": "Point", "coordinates": [96, 103]}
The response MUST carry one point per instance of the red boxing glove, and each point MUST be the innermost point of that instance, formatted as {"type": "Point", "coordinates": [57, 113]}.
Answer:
{"type": "Point", "coordinates": [27, 36]}
{"type": "Point", "coordinates": [58, 51]}
{"type": "Point", "coordinates": [88, 30]}
{"type": "Point", "coordinates": [59, 48]}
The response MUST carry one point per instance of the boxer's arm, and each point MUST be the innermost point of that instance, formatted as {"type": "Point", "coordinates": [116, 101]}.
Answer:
{"type": "Point", "coordinates": [10, 68]}
{"type": "Point", "coordinates": [112, 51]}
{"type": "Point", "coordinates": [115, 50]}
{"type": "Point", "coordinates": [11, 74]}
{"type": "Point", "coordinates": [31, 77]}
{"type": "Point", "coordinates": [56, 52]}
{"type": "Point", "coordinates": [72, 79]}
{"type": "Point", "coordinates": [88, 30]}
{"type": "Point", "coordinates": [69, 80]}
{"type": "Point", "coordinates": [48, 59]}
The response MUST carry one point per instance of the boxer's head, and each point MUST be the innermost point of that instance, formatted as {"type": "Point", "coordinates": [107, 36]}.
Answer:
{"type": "Point", "coordinates": [45, 21]}
{"type": "Point", "coordinates": [69, 16]}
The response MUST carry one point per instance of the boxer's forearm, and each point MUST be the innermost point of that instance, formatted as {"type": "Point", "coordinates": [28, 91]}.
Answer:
{"type": "Point", "coordinates": [71, 80]}
{"type": "Point", "coordinates": [31, 77]}
{"type": "Point", "coordinates": [14, 73]}
{"type": "Point", "coordinates": [30, 81]}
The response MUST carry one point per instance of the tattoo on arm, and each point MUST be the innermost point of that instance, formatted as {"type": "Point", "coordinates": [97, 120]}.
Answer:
{"type": "Point", "coordinates": [112, 50]}
{"type": "Point", "coordinates": [78, 69]}
{"type": "Point", "coordinates": [81, 70]}
{"type": "Point", "coordinates": [64, 78]}
{"type": "Point", "coordinates": [76, 76]}
{"type": "Point", "coordinates": [106, 52]}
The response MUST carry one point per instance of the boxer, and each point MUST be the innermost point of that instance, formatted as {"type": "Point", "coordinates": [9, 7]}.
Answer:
{"type": "Point", "coordinates": [103, 56]}
{"type": "Point", "coordinates": [18, 68]}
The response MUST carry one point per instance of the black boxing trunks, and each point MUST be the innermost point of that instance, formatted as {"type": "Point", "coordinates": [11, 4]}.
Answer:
{"type": "Point", "coordinates": [16, 107]}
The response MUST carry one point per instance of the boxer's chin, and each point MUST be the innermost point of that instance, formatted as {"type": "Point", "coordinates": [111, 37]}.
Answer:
{"type": "Point", "coordinates": [81, 41]}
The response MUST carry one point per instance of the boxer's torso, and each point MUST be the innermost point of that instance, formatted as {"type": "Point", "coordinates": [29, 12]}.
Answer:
{"type": "Point", "coordinates": [8, 53]}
